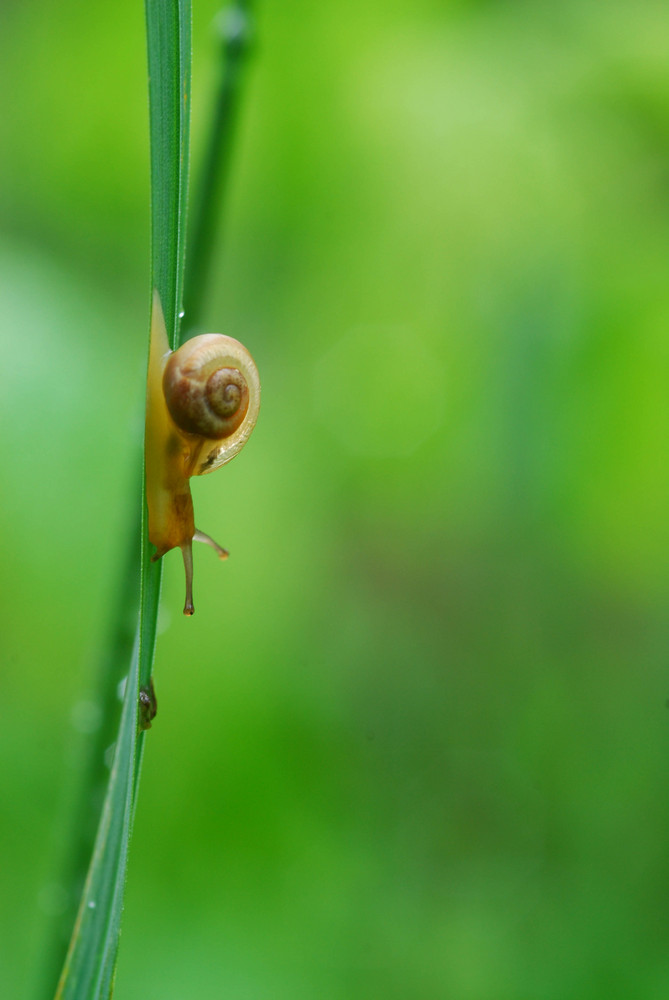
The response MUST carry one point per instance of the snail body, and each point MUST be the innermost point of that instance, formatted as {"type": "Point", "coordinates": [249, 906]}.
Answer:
{"type": "Point", "coordinates": [202, 404]}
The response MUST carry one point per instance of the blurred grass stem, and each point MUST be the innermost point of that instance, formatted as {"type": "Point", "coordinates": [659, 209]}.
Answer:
{"type": "Point", "coordinates": [112, 666]}
{"type": "Point", "coordinates": [234, 29]}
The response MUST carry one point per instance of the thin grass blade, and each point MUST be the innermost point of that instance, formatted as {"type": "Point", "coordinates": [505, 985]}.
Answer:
{"type": "Point", "coordinates": [88, 972]}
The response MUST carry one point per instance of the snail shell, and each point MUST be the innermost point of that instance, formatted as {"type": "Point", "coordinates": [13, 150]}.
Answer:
{"type": "Point", "coordinates": [212, 391]}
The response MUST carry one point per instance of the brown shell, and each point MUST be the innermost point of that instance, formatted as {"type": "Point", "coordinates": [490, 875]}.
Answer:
{"type": "Point", "coordinates": [212, 391]}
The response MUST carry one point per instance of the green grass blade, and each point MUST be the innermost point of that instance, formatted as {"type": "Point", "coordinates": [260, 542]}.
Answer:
{"type": "Point", "coordinates": [169, 48]}
{"type": "Point", "coordinates": [89, 967]}
{"type": "Point", "coordinates": [91, 960]}
{"type": "Point", "coordinates": [234, 29]}
{"type": "Point", "coordinates": [111, 669]}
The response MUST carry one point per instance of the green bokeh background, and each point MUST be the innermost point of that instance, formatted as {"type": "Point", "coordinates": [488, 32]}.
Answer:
{"type": "Point", "coordinates": [414, 743]}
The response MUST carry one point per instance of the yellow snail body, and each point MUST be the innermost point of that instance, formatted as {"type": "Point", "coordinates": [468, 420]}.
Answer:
{"type": "Point", "coordinates": [202, 403]}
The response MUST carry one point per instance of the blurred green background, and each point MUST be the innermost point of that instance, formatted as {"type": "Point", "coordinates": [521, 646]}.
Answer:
{"type": "Point", "coordinates": [414, 743]}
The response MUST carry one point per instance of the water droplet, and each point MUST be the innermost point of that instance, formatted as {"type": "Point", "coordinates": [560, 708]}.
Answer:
{"type": "Point", "coordinates": [91, 904]}
{"type": "Point", "coordinates": [182, 314]}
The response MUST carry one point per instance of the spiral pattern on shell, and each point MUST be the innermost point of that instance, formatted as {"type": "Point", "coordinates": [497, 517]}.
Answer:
{"type": "Point", "coordinates": [212, 390]}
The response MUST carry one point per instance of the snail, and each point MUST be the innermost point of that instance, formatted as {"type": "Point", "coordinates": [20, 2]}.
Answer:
{"type": "Point", "coordinates": [202, 403]}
